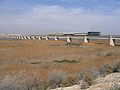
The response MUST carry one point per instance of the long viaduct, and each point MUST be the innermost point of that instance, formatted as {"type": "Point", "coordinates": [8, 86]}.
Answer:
{"type": "Point", "coordinates": [86, 39]}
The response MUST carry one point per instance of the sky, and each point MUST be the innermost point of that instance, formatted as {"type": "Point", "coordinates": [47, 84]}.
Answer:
{"type": "Point", "coordinates": [56, 16]}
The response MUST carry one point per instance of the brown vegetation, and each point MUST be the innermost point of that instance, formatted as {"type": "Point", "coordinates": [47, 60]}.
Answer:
{"type": "Point", "coordinates": [39, 59]}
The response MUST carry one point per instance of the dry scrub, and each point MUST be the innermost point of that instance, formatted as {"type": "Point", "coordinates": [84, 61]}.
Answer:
{"type": "Point", "coordinates": [33, 64]}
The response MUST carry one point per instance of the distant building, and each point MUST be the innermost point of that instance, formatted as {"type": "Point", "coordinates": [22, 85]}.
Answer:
{"type": "Point", "coordinates": [80, 34]}
{"type": "Point", "coordinates": [92, 33]}
{"type": "Point", "coordinates": [68, 34]}
{"type": "Point", "coordinates": [56, 34]}
{"type": "Point", "coordinates": [77, 34]}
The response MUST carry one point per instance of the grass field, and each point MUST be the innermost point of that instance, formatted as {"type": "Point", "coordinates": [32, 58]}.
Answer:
{"type": "Point", "coordinates": [39, 58]}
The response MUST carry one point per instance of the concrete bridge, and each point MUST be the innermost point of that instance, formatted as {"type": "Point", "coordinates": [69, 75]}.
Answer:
{"type": "Point", "coordinates": [86, 39]}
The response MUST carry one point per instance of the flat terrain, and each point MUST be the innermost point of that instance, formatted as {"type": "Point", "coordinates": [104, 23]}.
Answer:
{"type": "Point", "coordinates": [45, 56]}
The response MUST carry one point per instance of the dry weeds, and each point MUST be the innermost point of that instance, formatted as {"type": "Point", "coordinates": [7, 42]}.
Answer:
{"type": "Point", "coordinates": [40, 56]}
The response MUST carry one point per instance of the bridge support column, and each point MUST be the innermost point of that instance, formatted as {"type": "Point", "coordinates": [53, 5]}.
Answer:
{"type": "Point", "coordinates": [68, 39]}
{"type": "Point", "coordinates": [28, 37]}
{"type": "Point", "coordinates": [56, 38]}
{"type": "Point", "coordinates": [46, 38]}
{"type": "Point", "coordinates": [86, 40]}
{"type": "Point", "coordinates": [17, 37]}
{"type": "Point", "coordinates": [22, 37]}
{"type": "Point", "coordinates": [39, 38]}
{"type": "Point", "coordinates": [112, 41]}
{"type": "Point", "coordinates": [33, 38]}
{"type": "Point", "coordinates": [25, 37]}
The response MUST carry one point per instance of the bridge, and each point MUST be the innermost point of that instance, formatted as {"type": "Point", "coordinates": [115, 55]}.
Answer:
{"type": "Point", "coordinates": [86, 39]}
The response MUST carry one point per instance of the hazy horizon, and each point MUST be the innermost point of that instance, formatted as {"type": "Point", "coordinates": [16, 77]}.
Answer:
{"type": "Point", "coordinates": [55, 16]}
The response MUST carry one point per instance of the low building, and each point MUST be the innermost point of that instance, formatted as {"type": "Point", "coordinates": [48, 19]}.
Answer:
{"type": "Point", "coordinates": [92, 33]}
{"type": "Point", "coordinates": [80, 34]}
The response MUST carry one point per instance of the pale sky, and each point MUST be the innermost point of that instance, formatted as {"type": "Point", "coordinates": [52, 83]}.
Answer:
{"type": "Point", "coordinates": [53, 16]}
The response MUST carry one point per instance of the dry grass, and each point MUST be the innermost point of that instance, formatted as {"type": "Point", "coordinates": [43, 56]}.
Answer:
{"type": "Point", "coordinates": [40, 56]}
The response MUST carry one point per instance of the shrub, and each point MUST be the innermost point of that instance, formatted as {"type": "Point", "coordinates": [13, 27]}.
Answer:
{"type": "Point", "coordinates": [42, 86]}
{"type": "Point", "coordinates": [70, 80]}
{"type": "Point", "coordinates": [85, 79]}
{"type": "Point", "coordinates": [22, 80]}
{"type": "Point", "coordinates": [116, 67]}
{"type": "Point", "coordinates": [104, 53]}
{"type": "Point", "coordinates": [35, 62]}
{"type": "Point", "coordinates": [106, 69]}
{"type": "Point", "coordinates": [55, 78]}
{"type": "Point", "coordinates": [88, 77]}
{"type": "Point", "coordinates": [72, 44]}
{"type": "Point", "coordinates": [65, 61]}
{"type": "Point", "coordinates": [83, 84]}
{"type": "Point", "coordinates": [94, 72]}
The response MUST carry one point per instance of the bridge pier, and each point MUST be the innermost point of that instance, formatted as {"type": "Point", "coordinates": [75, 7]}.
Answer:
{"type": "Point", "coordinates": [56, 38]}
{"type": "Point", "coordinates": [33, 37]}
{"type": "Point", "coordinates": [39, 38]}
{"type": "Point", "coordinates": [46, 38]}
{"type": "Point", "coordinates": [68, 39]}
{"type": "Point", "coordinates": [28, 37]}
{"type": "Point", "coordinates": [25, 37]}
{"type": "Point", "coordinates": [22, 37]}
{"type": "Point", "coordinates": [112, 41]}
{"type": "Point", "coordinates": [86, 40]}
{"type": "Point", "coordinates": [18, 37]}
